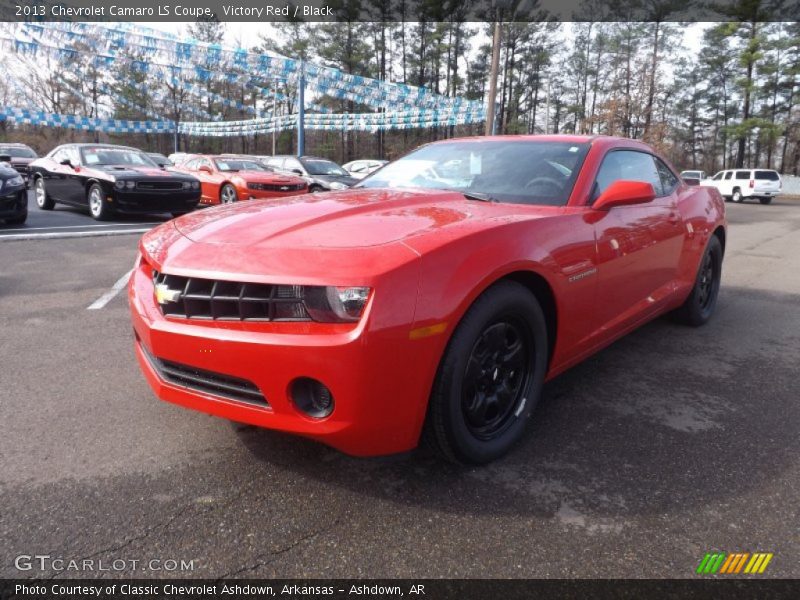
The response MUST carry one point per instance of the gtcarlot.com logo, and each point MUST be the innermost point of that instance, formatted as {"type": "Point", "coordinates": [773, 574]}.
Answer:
{"type": "Point", "coordinates": [733, 563]}
{"type": "Point", "coordinates": [46, 562]}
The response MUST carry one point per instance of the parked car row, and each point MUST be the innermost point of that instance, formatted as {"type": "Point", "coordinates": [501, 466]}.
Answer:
{"type": "Point", "coordinates": [108, 179]}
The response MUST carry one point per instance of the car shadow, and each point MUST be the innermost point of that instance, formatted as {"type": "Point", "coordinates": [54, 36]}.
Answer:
{"type": "Point", "coordinates": [665, 419]}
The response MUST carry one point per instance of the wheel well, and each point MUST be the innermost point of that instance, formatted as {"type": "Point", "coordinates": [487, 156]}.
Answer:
{"type": "Point", "coordinates": [89, 184]}
{"type": "Point", "coordinates": [539, 287]}
{"type": "Point", "coordinates": [720, 233]}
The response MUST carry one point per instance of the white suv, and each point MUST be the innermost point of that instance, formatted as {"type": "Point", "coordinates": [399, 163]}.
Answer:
{"type": "Point", "coordinates": [738, 184]}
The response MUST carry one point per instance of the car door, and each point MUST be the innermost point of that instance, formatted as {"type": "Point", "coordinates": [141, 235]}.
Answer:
{"type": "Point", "coordinates": [75, 180]}
{"type": "Point", "coordinates": [193, 166]}
{"type": "Point", "coordinates": [638, 246]}
{"type": "Point", "coordinates": [55, 174]}
{"type": "Point", "coordinates": [726, 187]}
{"type": "Point", "coordinates": [210, 180]}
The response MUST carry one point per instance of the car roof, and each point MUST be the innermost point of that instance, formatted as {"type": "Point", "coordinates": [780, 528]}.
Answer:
{"type": "Point", "coordinates": [115, 146]}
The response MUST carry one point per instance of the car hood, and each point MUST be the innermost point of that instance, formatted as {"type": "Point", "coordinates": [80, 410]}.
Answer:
{"type": "Point", "coordinates": [345, 219]}
{"type": "Point", "coordinates": [262, 177]}
{"type": "Point", "coordinates": [129, 171]}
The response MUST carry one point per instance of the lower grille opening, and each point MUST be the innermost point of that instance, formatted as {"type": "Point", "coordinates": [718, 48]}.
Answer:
{"type": "Point", "coordinates": [217, 384]}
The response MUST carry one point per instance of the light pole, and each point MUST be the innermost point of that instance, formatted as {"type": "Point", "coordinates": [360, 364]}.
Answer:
{"type": "Point", "coordinates": [301, 112]}
{"type": "Point", "coordinates": [274, 114]}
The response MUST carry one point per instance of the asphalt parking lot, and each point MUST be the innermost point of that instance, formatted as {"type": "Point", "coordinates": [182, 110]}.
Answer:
{"type": "Point", "coordinates": [671, 443]}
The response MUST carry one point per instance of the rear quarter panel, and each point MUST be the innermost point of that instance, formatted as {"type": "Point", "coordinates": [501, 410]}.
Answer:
{"type": "Point", "coordinates": [703, 212]}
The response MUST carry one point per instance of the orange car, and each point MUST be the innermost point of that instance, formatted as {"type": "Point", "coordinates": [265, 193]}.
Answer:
{"type": "Point", "coordinates": [227, 179]}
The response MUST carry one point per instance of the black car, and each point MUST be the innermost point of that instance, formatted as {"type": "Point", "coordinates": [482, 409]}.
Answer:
{"type": "Point", "coordinates": [108, 179]}
{"type": "Point", "coordinates": [13, 193]}
{"type": "Point", "coordinates": [322, 174]}
{"type": "Point", "coordinates": [21, 156]}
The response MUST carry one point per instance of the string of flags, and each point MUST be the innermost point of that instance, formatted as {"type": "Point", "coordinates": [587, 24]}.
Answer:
{"type": "Point", "coordinates": [193, 66]}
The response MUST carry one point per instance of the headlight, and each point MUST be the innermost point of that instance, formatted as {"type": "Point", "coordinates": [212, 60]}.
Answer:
{"type": "Point", "coordinates": [119, 184]}
{"type": "Point", "coordinates": [335, 304]}
{"type": "Point", "coordinates": [14, 181]}
{"type": "Point", "coordinates": [195, 185]}
{"type": "Point", "coordinates": [187, 185]}
{"type": "Point", "coordinates": [335, 185]}
{"type": "Point", "coordinates": [130, 184]}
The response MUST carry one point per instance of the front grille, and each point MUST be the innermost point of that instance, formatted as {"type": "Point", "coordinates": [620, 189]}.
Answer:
{"type": "Point", "coordinates": [22, 169]}
{"type": "Point", "coordinates": [209, 382]}
{"type": "Point", "coordinates": [159, 185]}
{"type": "Point", "coordinates": [210, 299]}
{"type": "Point", "coordinates": [277, 187]}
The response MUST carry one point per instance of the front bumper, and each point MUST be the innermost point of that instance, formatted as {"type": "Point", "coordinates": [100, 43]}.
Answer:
{"type": "Point", "coordinates": [380, 380]}
{"type": "Point", "coordinates": [266, 194]}
{"type": "Point", "coordinates": [13, 204]}
{"type": "Point", "coordinates": [154, 201]}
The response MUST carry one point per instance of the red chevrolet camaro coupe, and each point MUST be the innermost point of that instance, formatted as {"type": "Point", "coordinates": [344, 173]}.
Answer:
{"type": "Point", "coordinates": [434, 298]}
{"type": "Point", "coordinates": [227, 179]}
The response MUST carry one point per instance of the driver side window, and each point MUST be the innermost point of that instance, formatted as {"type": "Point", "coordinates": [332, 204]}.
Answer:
{"type": "Point", "coordinates": [627, 165]}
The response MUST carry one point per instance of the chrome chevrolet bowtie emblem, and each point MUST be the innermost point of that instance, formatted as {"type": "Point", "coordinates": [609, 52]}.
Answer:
{"type": "Point", "coordinates": [284, 188]}
{"type": "Point", "coordinates": [164, 294]}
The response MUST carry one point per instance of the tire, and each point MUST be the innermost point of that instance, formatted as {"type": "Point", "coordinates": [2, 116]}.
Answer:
{"type": "Point", "coordinates": [99, 208]}
{"type": "Point", "coordinates": [737, 195]}
{"type": "Point", "coordinates": [227, 194]}
{"type": "Point", "coordinates": [765, 200]}
{"type": "Point", "coordinates": [481, 402]}
{"type": "Point", "coordinates": [699, 306]}
{"type": "Point", "coordinates": [43, 199]}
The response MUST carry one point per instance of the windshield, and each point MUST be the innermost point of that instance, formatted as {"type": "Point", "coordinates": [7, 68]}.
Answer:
{"type": "Point", "coordinates": [320, 166]}
{"type": "Point", "coordinates": [236, 164]}
{"type": "Point", "coordinates": [517, 172]}
{"type": "Point", "coordinates": [115, 156]}
{"type": "Point", "coordinates": [17, 151]}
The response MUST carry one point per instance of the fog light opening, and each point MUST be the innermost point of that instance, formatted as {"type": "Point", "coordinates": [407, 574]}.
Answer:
{"type": "Point", "coordinates": [312, 397]}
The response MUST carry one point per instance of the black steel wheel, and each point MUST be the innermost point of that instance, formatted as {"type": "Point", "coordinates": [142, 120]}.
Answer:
{"type": "Point", "coordinates": [490, 376]}
{"type": "Point", "coordinates": [699, 306]}
{"type": "Point", "coordinates": [496, 376]}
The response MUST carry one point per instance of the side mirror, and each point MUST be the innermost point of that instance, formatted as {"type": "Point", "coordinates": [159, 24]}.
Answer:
{"type": "Point", "coordinates": [205, 169]}
{"type": "Point", "coordinates": [297, 171]}
{"type": "Point", "coordinates": [5, 158]}
{"type": "Point", "coordinates": [66, 162]}
{"type": "Point", "coordinates": [624, 193]}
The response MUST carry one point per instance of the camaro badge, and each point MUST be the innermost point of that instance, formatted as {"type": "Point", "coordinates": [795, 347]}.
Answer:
{"type": "Point", "coordinates": [284, 188]}
{"type": "Point", "coordinates": [164, 294]}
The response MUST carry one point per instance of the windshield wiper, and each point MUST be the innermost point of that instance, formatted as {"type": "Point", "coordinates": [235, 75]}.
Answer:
{"type": "Point", "coordinates": [479, 196]}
